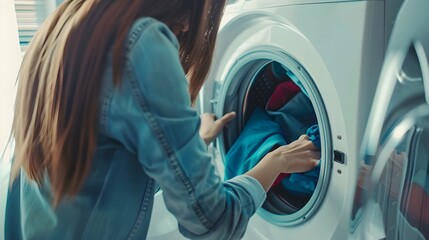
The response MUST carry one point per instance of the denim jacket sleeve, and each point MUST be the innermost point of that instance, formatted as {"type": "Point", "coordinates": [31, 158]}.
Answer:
{"type": "Point", "coordinates": [151, 115]}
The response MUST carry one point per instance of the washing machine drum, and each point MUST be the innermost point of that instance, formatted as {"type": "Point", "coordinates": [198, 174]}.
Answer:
{"type": "Point", "coordinates": [274, 110]}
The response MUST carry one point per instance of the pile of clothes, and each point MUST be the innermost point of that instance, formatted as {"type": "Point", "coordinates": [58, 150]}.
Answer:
{"type": "Point", "coordinates": [273, 120]}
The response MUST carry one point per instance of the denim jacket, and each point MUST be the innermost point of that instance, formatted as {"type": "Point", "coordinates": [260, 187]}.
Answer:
{"type": "Point", "coordinates": [148, 136]}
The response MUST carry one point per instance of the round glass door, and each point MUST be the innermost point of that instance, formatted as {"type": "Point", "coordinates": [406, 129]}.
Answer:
{"type": "Point", "coordinates": [391, 199]}
{"type": "Point", "coordinates": [394, 183]}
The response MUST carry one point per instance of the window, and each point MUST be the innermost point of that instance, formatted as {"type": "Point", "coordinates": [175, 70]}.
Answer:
{"type": "Point", "coordinates": [30, 15]}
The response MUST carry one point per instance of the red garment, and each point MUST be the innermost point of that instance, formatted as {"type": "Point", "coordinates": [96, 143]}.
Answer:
{"type": "Point", "coordinates": [279, 179]}
{"type": "Point", "coordinates": [281, 95]}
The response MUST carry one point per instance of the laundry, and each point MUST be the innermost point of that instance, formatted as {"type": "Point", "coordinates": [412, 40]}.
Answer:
{"type": "Point", "coordinates": [259, 136]}
{"type": "Point", "coordinates": [269, 84]}
{"type": "Point", "coordinates": [305, 183]}
{"type": "Point", "coordinates": [281, 74]}
{"type": "Point", "coordinates": [293, 77]}
{"type": "Point", "coordinates": [314, 135]}
{"type": "Point", "coordinates": [283, 92]}
{"type": "Point", "coordinates": [276, 72]}
{"type": "Point", "coordinates": [295, 117]}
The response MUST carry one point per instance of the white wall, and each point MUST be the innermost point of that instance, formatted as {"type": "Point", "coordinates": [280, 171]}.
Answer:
{"type": "Point", "coordinates": [10, 59]}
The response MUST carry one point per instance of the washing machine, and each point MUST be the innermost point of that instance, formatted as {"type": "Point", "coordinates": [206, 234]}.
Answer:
{"type": "Point", "coordinates": [392, 198]}
{"type": "Point", "coordinates": [333, 51]}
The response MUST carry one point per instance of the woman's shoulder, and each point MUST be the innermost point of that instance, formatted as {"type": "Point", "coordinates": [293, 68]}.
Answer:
{"type": "Point", "coordinates": [150, 31]}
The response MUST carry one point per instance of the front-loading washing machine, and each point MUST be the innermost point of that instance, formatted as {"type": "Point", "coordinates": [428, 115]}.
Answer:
{"type": "Point", "coordinates": [333, 51]}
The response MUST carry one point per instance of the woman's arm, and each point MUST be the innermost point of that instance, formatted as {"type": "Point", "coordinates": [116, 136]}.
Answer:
{"type": "Point", "coordinates": [151, 116]}
{"type": "Point", "coordinates": [299, 156]}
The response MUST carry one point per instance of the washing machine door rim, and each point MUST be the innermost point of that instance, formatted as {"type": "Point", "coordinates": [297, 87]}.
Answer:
{"type": "Point", "coordinates": [261, 58]}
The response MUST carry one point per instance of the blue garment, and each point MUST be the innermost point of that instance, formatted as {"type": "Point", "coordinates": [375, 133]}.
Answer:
{"type": "Point", "coordinates": [148, 134]}
{"type": "Point", "coordinates": [295, 117]}
{"type": "Point", "coordinates": [314, 135]}
{"type": "Point", "coordinates": [259, 136]}
{"type": "Point", "coordinates": [305, 183]}
{"type": "Point", "coordinates": [279, 71]}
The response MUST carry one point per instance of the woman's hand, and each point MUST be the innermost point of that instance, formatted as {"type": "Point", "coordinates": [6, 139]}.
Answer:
{"type": "Point", "coordinates": [210, 127]}
{"type": "Point", "coordinates": [299, 156]}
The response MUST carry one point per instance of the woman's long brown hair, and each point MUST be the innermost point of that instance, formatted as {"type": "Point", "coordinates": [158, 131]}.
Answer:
{"type": "Point", "coordinates": [56, 108]}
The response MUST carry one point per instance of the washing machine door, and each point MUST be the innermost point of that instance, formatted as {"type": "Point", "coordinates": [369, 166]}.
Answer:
{"type": "Point", "coordinates": [392, 193]}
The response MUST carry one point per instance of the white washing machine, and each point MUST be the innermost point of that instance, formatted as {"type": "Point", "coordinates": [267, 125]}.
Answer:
{"type": "Point", "coordinates": [393, 201]}
{"type": "Point", "coordinates": [333, 50]}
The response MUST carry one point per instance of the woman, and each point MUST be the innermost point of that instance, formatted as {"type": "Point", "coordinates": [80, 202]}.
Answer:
{"type": "Point", "coordinates": [104, 115]}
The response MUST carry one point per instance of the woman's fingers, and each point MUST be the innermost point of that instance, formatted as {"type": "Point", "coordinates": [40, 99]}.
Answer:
{"type": "Point", "coordinates": [210, 127]}
{"type": "Point", "coordinates": [315, 155]}
{"type": "Point", "coordinates": [299, 156]}
{"type": "Point", "coordinates": [303, 166]}
{"type": "Point", "coordinates": [303, 137]}
{"type": "Point", "coordinates": [226, 119]}
{"type": "Point", "coordinates": [208, 116]}
{"type": "Point", "coordinates": [302, 143]}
